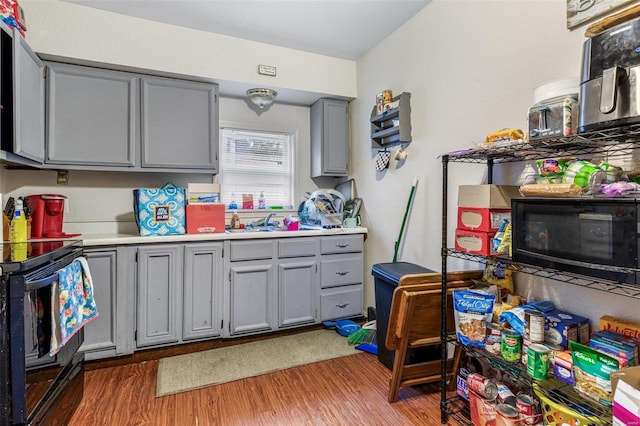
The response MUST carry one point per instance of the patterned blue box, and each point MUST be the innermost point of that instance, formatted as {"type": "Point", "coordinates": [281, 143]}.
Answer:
{"type": "Point", "coordinates": [160, 211]}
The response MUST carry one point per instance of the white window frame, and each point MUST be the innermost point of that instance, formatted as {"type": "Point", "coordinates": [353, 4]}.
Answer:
{"type": "Point", "coordinates": [275, 193]}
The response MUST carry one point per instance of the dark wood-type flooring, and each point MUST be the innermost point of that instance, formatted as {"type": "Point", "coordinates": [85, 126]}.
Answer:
{"type": "Point", "coordinates": [350, 390]}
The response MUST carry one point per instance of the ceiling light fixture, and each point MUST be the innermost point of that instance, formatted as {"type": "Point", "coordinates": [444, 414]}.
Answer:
{"type": "Point", "coordinates": [261, 96]}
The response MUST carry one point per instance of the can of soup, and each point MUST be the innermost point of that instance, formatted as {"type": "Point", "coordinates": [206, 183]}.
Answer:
{"type": "Point", "coordinates": [526, 406]}
{"type": "Point", "coordinates": [482, 386]}
{"type": "Point", "coordinates": [511, 346]}
{"type": "Point", "coordinates": [493, 339]}
{"type": "Point", "coordinates": [533, 326]}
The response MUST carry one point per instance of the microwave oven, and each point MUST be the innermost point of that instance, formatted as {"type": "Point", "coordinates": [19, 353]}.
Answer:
{"type": "Point", "coordinates": [597, 237]}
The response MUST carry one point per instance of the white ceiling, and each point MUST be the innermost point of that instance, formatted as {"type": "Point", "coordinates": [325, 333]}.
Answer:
{"type": "Point", "coordinates": [339, 28]}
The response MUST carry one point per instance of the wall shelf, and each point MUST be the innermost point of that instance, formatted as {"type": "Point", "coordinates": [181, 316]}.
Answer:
{"type": "Point", "coordinates": [392, 127]}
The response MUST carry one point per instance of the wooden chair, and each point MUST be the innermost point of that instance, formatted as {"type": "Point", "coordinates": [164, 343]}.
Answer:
{"type": "Point", "coordinates": [415, 321]}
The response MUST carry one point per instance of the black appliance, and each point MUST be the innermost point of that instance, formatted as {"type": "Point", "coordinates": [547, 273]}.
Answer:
{"type": "Point", "coordinates": [597, 237]}
{"type": "Point", "coordinates": [610, 80]}
{"type": "Point", "coordinates": [36, 388]}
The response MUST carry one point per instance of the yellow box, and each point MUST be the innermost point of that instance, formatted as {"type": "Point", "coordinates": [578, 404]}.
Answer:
{"type": "Point", "coordinates": [621, 326]}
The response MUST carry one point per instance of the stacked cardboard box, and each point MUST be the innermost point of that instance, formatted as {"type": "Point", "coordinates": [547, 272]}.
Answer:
{"type": "Point", "coordinates": [481, 210]}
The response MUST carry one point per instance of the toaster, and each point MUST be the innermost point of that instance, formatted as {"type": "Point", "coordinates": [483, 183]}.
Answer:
{"type": "Point", "coordinates": [609, 85]}
{"type": "Point", "coordinates": [553, 118]}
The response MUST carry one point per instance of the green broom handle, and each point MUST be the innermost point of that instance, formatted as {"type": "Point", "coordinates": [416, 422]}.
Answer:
{"type": "Point", "coordinates": [404, 219]}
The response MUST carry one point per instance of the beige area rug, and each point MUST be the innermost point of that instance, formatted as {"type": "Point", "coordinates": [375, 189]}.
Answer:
{"type": "Point", "coordinates": [201, 369]}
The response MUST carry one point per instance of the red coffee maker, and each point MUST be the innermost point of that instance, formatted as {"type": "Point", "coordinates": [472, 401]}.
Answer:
{"type": "Point", "coordinates": [47, 213]}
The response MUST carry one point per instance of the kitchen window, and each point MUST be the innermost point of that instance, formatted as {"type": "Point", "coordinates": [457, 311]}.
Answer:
{"type": "Point", "coordinates": [254, 162]}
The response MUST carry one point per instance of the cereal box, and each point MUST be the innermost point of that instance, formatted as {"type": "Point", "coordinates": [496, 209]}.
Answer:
{"type": "Point", "coordinates": [625, 327]}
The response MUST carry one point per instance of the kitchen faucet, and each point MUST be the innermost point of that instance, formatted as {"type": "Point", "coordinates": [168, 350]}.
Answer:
{"type": "Point", "coordinates": [263, 222]}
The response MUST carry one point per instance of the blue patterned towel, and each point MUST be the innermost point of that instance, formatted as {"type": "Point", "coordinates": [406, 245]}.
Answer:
{"type": "Point", "coordinates": [72, 303]}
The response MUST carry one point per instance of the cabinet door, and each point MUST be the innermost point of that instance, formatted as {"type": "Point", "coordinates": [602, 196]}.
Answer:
{"type": "Point", "coordinates": [202, 291]}
{"type": "Point", "coordinates": [329, 138]}
{"type": "Point", "coordinates": [251, 296]}
{"type": "Point", "coordinates": [179, 124]}
{"type": "Point", "coordinates": [100, 334]}
{"type": "Point", "coordinates": [28, 101]}
{"type": "Point", "coordinates": [91, 116]}
{"type": "Point", "coordinates": [159, 295]}
{"type": "Point", "coordinates": [297, 281]}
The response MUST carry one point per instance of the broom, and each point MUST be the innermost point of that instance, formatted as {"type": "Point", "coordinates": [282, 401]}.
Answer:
{"type": "Point", "coordinates": [366, 334]}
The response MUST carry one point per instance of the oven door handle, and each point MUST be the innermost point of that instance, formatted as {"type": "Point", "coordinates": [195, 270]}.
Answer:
{"type": "Point", "coordinates": [41, 283]}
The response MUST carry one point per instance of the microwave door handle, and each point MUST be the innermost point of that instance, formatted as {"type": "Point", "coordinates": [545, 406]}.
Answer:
{"type": "Point", "coordinates": [609, 89]}
{"type": "Point", "coordinates": [41, 283]}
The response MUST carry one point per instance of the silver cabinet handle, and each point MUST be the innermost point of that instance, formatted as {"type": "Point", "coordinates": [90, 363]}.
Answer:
{"type": "Point", "coordinates": [342, 305]}
{"type": "Point", "coordinates": [343, 245]}
{"type": "Point", "coordinates": [342, 273]}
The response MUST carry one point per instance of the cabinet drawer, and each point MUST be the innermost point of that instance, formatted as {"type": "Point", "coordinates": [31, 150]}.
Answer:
{"type": "Point", "coordinates": [341, 244]}
{"type": "Point", "coordinates": [340, 270]}
{"type": "Point", "coordinates": [341, 303]}
{"type": "Point", "coordinates": [251, 250]}
{"type": "Point", "coordinates": [297, 247]}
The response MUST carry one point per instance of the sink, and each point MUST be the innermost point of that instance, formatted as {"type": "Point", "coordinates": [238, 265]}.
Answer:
{"type": "Point", "coordinates": [251, 230]}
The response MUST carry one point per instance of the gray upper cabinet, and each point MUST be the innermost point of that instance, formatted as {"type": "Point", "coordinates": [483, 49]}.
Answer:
{"type": "Point", "coordinates": [101, 119]}
{"type": "Point", "coordinates": [329, 138]}
{"type": "Point", "coordinates": [179, 124]}
{"type": "Point", "coordinates": [28, 101]}
{"type": "Point", "coordinates": [91, 116]}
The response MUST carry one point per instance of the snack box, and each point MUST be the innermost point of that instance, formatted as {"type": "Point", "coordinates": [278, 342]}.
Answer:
{"type": "Point", "coordinates": [560, 327]}
{"type": "Point", "coordinates": [482, 219]}
{"type": "Point", "coordinates": [205, 218]}
{"type": "Point", "coordinates": [563, 367]}
{"type": "Point", "coordinates": [622, 326]}
{"type": "Point", "coordinates": [622, 353]}
{"type": "Point", "coordinates": [487, 196]}
{"type": "Point", "coordinates": [474, 242]}
{"type": "Point", "coordinates": [619, 338]}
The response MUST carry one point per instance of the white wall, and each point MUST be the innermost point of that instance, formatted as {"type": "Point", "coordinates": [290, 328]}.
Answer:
{"type": "Point", "coordinates": [471, 67]}
{"type": "Point", "coordinates": [75, 31]}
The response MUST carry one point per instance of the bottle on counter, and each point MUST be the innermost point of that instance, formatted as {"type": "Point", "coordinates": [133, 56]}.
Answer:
{"type": "Point", "coordinates": [261, 202]}
{"type": "Point", "coordinates": [18, 234]}
{"type": "Point", "coordinates": [235, 220]}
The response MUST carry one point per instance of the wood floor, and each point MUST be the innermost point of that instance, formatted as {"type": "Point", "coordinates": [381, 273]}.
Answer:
{"type": "Point", "coordinates": [350, 390]}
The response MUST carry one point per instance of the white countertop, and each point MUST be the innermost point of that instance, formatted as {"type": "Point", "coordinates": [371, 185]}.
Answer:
{"type": "Point", "coordinates": [89, 240]}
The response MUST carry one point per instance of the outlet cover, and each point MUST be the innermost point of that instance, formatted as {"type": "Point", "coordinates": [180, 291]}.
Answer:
{"type": "Point", "coordinates": [267, 70]}
{"type": "Point", "coordinates": [63, 177]}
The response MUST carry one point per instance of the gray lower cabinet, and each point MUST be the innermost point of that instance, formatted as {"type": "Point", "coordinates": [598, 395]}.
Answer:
{"type": "Point", "coordinates": [297, 281]}
{"type": "Point", "coordinates": [92, 116]}
{"type": "Point", "coordinates": [159, 295]}
{"type": "Point", "coordinates": [341, 276]}
{"type": "Point", "coordinates": [179, 124]}
{"type": "Point", "coordinates": [251, 289]}
{"type": "Point", "coordinates": [329, 138]}
{"type": "Point", "coordinates": [110, 334]}
{"type": "Point", "coordinates": [202, 297]}
{"type": "Point", "coordinates": [179, 293]}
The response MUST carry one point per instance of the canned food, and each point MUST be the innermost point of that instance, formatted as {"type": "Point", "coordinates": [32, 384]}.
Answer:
{"type": "Point", "coordinates": [508, 413]}
{"type": "Point", "coordinates": [533, 326]}
{"type": "Point", "coordinates": [482, 386]}
{"type": "Point", "coordinates": [525, 348]}
{"type": "Point", "coordinates": [538, 361]}
{"type": "Point", "coordinates": [494, 338]}
{"type": "Point", "coordinates": [511, 346]}
{"type": "Point", "coordinates": [526, 406]}
{"type": "Point", "coordinates": [505, 396]}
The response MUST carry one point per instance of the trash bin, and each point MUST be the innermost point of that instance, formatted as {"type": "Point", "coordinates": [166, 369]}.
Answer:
{"type": "Point", "coordinates": [386, 279]}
